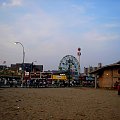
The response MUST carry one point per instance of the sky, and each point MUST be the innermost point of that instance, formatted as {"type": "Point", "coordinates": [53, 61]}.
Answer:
{"type": "Point", "coordinates": [52, 29]}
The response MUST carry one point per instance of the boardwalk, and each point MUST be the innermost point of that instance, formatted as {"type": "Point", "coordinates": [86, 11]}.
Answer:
{"type": "Point", "coordinates": [59, 104]}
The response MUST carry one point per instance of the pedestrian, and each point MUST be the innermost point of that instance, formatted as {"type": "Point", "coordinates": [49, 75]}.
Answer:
{"type": "Point", "coordinates": [28, 83]}
{"type": "Point", "coordinates": [119, 89]}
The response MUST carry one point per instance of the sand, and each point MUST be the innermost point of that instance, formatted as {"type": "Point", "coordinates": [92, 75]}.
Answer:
{"type": "Point", "coordinates": [59, 104]}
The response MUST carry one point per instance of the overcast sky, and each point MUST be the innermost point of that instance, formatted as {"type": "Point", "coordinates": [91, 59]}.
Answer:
{"type": "Point", "coordinates": [52, 29]}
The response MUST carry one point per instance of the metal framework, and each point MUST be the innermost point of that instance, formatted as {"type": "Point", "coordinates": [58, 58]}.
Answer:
{"type": "Point", "coordinates": [70, 63]}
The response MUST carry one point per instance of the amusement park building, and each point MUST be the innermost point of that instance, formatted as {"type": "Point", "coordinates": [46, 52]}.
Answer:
{"type": "Point", "coordinates": [108, 75]}
{"type": "Point", "coordinates": [16, 70]}
{"type": "Point", "coordinates": [89, 69]}
{"type": "Point", "coordinates": [28, 67]}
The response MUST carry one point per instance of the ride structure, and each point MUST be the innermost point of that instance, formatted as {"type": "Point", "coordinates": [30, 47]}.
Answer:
{"type": "Point", "coordinates": [70, 65]}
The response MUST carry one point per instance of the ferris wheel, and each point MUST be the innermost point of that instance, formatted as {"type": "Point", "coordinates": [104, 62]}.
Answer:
{"type": "Point", "coordinates": [69, 62]}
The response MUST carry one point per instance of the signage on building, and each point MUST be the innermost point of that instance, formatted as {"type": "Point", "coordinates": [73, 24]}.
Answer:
{"type": "Point", "coordinates": [90, 78]}
{"type": "Point", "coordinates": [35, 75]}
{"type": "Point", "coordinates": [59, 77]}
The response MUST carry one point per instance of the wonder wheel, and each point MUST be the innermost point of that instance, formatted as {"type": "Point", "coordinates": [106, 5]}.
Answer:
{"type": "Point", "coordinates": [70, 63]}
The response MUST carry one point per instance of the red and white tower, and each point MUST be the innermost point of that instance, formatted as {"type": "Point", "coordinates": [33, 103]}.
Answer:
{"type": "Point", "coordinates": [79, 53]}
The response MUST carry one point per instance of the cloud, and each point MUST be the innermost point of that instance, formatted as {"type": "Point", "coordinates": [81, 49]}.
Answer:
{"type": "Point", "coordinates": [8, 50]}
{"type": "Point", "coordinates": [45, 42]}
{"type": "Point", "coordinates": [80, 9]}
{"type": "Point", "coordinates": [12, 3]}
{"type": "Point", "coordinates": [39, 33]}
{"type": "Point", "coordinates": [48, 37]}
{"type": "Point", "coordinates": [112, 25]}
{"type": "Point", "coordinates": [96, 35]}
{"type": "Point", "coordinates": [83, 7]}
{"type": "Point", "coordinates": [38, 27]}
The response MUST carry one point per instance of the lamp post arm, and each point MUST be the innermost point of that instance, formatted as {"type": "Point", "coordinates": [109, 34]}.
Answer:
{"type": "Point", "coordinates": [23, 58]}
{"type": "Point", "coordinates": [23, 50]}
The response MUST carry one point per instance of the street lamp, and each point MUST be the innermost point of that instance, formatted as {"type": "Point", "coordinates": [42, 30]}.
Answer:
{"type": "Point", "coordinates": [23, 58]}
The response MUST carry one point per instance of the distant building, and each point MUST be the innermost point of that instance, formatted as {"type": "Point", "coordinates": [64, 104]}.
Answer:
{"type": "Point", "coordinates": [38, 68]}
{"type": "Point", "coordinates": [108, 75]}
{"type": "Point", "coordinates": [90, 69]}
{"type": "Point", "coordinates": [2, 67]}
{"type": "Point", "coordinates": [28, 67]}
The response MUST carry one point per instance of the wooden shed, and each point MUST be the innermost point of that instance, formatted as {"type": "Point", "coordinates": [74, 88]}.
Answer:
{"type": "Point", "coordinates": [107, 76]}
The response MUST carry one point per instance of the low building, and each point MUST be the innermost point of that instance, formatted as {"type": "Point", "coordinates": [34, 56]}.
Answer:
{"type": "Point", "coordinates": [2, 67]}
{"type": "Point", "coordinates": [28, 67]}
{"type": "Point", "coordinates": [107, 76]}
{"type": "Point", "coordinates": [89, 69]}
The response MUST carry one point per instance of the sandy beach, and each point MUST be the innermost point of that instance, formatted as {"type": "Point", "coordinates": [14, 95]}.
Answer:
{"type": "Point", "coordinates": [59, 104]}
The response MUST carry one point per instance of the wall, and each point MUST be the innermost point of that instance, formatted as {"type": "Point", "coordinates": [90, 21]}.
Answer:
{"type": "Point", "coordinates": [116, 75]}
{"type": "Point", "coordinates": [106, 79]}
{"type": "Point", "coordinates": [109, 77]}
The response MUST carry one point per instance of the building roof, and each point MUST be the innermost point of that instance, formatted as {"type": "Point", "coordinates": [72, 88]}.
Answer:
{"type": "Point", "coordinates": [106, 67]}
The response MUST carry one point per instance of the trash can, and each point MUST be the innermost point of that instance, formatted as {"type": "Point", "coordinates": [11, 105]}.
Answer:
{"type": "Point", "coordinates": [118, 89]}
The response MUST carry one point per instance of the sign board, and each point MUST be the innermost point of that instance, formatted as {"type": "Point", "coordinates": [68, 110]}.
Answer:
{"type": "Point", "coordinates": [26, 73]}
{"type": "Point", "coordinates": [35, 75]}
{"type": "Point", "coordinates": [59, 77]}
{"type": "Point", "coordinates": [90, 78]}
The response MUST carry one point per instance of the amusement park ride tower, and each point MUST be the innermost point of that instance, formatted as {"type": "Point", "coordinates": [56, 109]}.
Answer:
{"type": "Point", "coordinates": [71, 66]}
{"type": "Point", "coordinates": [79, 53]}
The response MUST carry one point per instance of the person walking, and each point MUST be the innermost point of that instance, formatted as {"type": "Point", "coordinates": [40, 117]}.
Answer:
{"type": "Point", "coordinates": [119, 88]}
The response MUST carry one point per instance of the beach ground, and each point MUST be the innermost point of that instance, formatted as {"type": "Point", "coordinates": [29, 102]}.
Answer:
{"type": "Point", "coordinates": [59, 104]}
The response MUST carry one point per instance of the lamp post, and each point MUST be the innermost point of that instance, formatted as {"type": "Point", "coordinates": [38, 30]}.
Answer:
{"type": "Point", "coordinates": [23, 59]}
